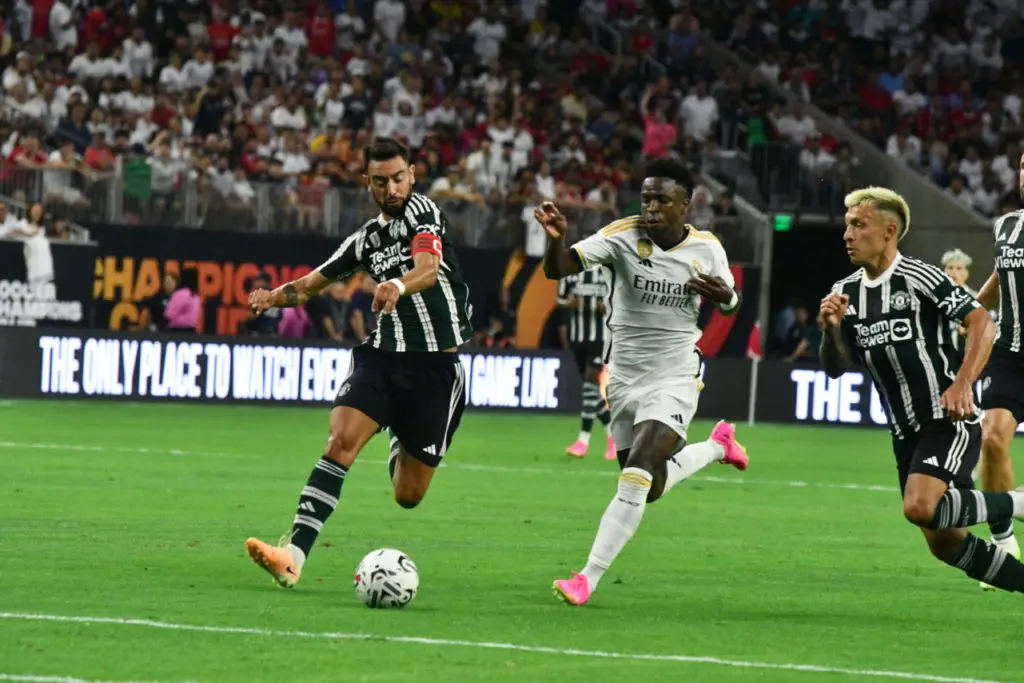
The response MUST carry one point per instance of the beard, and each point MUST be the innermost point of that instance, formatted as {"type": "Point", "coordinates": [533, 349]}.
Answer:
{"type": "Point", "coordinates": [393, 210]}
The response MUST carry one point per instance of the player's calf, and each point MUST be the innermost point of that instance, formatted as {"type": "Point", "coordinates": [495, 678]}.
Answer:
{"type": "Point", "coordinates": [410, 476]}
{"type": "Point", "coordinates": [980, 560]}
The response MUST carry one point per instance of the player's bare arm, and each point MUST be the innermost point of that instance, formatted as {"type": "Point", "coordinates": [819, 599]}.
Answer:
{"type": "Point", "coordinates": [835, 353]}
{"type": "Point", "coordinates": [958, 399]}
{"type": "Point", "coordinates": [989, 294]}
{"type": "Point", "coordinates": [289, 295]}
{"type": "Point", "coordinates": [422, 277]}
{"type": "Point", "coordinates": [559, 260]}
{"type": "Point", "coordinates": [718, 290]}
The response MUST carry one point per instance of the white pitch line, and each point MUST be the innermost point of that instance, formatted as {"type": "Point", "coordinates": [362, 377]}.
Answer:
{"type": "Point", "coordinates": [485, 645]}
{"type": "Point", "coordinates": [711, 479]}
{"type": "Point", "coordinates": [25, 678]}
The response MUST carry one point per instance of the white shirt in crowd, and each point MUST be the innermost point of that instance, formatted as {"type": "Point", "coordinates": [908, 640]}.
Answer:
{"type": "Point", "coordinates": [294, 39]}
{"type": "Point", "coordinates": [536, 236]}
{"type": "Point", "coordinates": [138, 57]}
{"type": "Point", "coordinates": [283, 118]}
{"type": "Point", "coordinates": [173, 79]}
{"type": "Point", "coordinates": [985, 201]}
{"type": "Point", "coordinates": [909, 103]}
{"type": "Point", "coordinates": [699, 115]}
{"type": "Point", "coordinates": [348, 27]}
{"type": "Point", "coordinates": [909, 152]}
{"type": "Point", "coordinates": [389, 17]}
{"type": "Point", "coordinates": [12, 78]}
{"type": "Point", "coordinates": [63, 31]}
{"type": "Point", "coordinates": [197, 74]}
{"type": "Point", "coordinates": [796, 130]}
{"type": "Point", "coordinates": [489, 37]}
{"type": "Point", "coordinates": [85, 68]}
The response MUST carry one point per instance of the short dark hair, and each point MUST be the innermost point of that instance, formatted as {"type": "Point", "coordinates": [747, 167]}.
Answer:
{"type": "Point", "coordinates": [382, 149]}
{"type": "Point", "coordinates": [672, 169]}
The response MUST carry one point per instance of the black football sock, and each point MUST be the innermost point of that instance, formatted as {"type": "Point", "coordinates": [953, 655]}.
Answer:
{"type": "Point", "coordinates": [317, 502]}
{"type": "Point", "coordinates": [1002, 530]}
{"type": "Point", "coordinates": [989, 563]}
{"type": "Point", "coordinates": [961, 509]}
{"type": "Point", "coordinates": [591, 402]}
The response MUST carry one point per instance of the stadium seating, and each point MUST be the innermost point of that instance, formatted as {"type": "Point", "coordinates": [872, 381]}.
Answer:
{"type": "Point", "coordinates": [930, 83]}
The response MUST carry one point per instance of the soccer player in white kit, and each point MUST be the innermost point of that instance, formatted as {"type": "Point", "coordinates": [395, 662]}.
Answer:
{"type": "Point", "coordinates": [659, 267]}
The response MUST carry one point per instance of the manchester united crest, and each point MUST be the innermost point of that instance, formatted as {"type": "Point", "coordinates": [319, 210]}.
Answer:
{"type": "Point", "coordinates": [899, 301]}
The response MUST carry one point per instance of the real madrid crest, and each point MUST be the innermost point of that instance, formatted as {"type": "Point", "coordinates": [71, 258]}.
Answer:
{"type": "Point", "coordinates": [644, 247]}
{"type": "Point", "coordinates": [899, 301]}
{"type": "Point", "coordinates": [696, 267]}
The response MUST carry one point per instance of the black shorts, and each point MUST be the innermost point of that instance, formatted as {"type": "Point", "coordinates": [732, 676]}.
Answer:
{"type": "Point", "coordinates": [1002, 383]}
{"type": "Point", "coordinates": [419, 396]}
{"type": "Point", "coordinates": [945, 450]}
{"type": "Point", "coordinates": [588, 355]}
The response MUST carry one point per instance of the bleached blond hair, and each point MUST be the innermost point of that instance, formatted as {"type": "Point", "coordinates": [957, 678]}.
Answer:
{"type": "Point", "coordinates": [883, 199]}
{"type": "Point", "coordinates": [956, 256]}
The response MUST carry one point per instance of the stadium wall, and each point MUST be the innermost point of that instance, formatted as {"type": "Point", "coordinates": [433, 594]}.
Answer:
{"type": "Point", "coordinates": [104, 365]}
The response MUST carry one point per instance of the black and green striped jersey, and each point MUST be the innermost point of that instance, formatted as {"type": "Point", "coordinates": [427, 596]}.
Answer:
{"type": "Point", "coordinates": [1009, 234]}
{"type": "Point", "coordinates": [591, 287]}
{"type": "Point", "coordinates": [435, 319]}
{"type": "Point", "coordinates": [898, 326]}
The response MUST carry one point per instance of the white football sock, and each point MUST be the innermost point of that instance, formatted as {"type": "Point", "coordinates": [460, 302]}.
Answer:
{"type": "Point", "coordinates": [1018, 503]}
{"type": "Point", "coordinates": [584, 437]}
{"type": "Point", "coordinates": [690, 460]}
{"type": "Point", "coordinates": [619, 522]}
{"type": "Point", "coordinates": [297, 555]}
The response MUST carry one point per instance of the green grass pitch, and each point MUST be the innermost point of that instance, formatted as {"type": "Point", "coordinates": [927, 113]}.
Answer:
{"type": "Point", "coordinates": [112, 512]}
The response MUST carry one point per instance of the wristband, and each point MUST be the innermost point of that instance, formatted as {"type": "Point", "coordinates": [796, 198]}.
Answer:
{"type": "Point", "coordinates": [732, 302]}
{"type": "Point", "coordinates": [400, 286]}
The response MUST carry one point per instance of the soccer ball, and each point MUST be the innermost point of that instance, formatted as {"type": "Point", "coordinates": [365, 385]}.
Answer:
{"type": "Point", "coordinates": [386, 578]}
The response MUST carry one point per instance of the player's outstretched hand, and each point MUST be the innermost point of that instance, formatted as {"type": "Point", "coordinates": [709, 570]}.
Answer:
{"type": "Point", "coordinates": [833, 308]}
{"type": "Point", "coordinates": [711, 287]}
{"type": "Point", "coordinates": [260, 300]}
{"type": "Point", "coordinates": [958, 401]}
{"type": "Point", "coordinates": [548, 215]}
{"type": "Point", "coordinates": [386, 298]}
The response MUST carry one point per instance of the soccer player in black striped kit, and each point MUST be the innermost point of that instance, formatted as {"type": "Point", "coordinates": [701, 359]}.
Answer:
{"type": "Point", "coordinates": [1002, 394]}
{"type": "Point", "coordinates": [893, 316]}
{"type": "Point", "coordinates": [406, 377]}
{"type": "Point", "coordinates": [582, 299]}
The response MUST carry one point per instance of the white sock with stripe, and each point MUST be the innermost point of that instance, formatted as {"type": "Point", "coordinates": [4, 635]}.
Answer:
{"type": "Point", "coordinates": [619, 523]}
{"type": "Point", "coordinates": [691, 459]}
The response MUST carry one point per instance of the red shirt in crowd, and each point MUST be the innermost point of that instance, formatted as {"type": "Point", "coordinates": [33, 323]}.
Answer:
{"type": "Point", "coordinates": [93, 28]}
{"type": "Point", "coordinates": [41, 19]}
{"type": "Point", "coordinates": [321, 33]}
{"type": "Point", "coordinates": [19, 153]}
{"type": "Point", "coordinates": [221, 35]}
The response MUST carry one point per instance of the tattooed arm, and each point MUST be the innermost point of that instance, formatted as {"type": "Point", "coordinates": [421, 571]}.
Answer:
{"type": "Point", "coordinates": [290, 294]}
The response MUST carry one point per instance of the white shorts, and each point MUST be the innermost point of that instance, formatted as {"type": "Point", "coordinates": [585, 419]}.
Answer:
{"type": "Point", "coordinates": [672, 403]}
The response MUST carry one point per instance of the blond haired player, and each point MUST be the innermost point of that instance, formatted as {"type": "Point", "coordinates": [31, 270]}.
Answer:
{"type": "Point", "coordinates": [659, 268]}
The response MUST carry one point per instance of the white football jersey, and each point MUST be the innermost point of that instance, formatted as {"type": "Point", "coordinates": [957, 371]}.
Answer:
{"type": "Point", "coordinates": [652, 315]}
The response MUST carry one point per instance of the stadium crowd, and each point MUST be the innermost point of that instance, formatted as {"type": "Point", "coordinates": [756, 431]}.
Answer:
{"type": "Point", "coordinates": [934, 83]}
{"type": "Point", "coordinates": [239, 108]}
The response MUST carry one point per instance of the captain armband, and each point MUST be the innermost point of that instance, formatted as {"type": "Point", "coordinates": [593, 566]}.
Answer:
{"type": "Point", "coordinates": [426, 242]}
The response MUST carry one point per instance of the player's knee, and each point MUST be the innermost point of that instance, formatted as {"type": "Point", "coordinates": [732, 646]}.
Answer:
{"type": "Point", "coordinates": [996, 438]}
{"type": "Point", "coordinates": [341, 447]}
{"type": "Point", "coordinates": [919, 510]}
{"type": "Point", "coordinates": [408, 499]}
